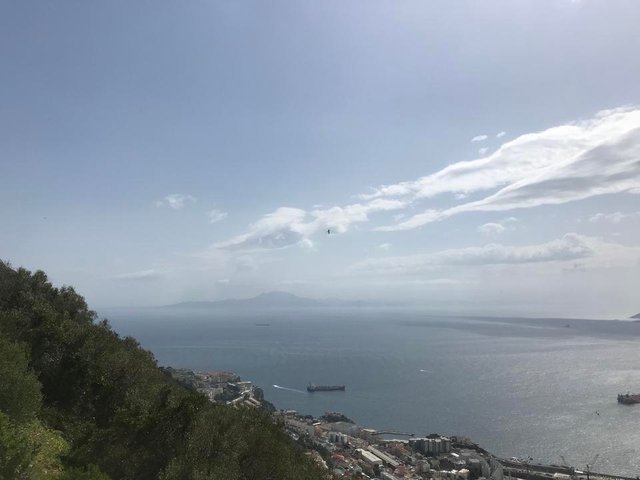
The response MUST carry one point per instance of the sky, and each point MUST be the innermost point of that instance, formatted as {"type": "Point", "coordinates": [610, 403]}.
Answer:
{"type": "Point", "coordinates": [478, 157]}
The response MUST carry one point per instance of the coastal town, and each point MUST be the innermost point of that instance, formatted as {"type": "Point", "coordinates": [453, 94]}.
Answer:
{"type": "Point", "coordinates": [222, 387]}
{"type": "Point", "coordinates": [349, 451]}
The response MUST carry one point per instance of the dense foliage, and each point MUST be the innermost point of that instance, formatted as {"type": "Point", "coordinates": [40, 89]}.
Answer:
{"type": "Point", "coordinates": [79, 402]}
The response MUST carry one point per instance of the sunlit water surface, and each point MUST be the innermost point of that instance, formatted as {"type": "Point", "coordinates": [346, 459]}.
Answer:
{"type": "Point", "coordinates": [517, 387]}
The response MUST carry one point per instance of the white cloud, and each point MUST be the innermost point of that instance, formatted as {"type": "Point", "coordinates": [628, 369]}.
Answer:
{"type": "Point", "coordinates": [278, 229]}
{"type": "Point", "coordinates": [307, 244]}
{"type": "Point", "coordinates": [517, 159]}
{"type": "Point", "coordinates": [139, 275]}
{"type": "Point", "coordinates": [288, 226]}
{"type": "Point", "coordinates": [501, 134]}
{"type": "Point", "coordinates": [570, 162]}
{"type": "Point", "coordinates": [216, 215]}
{"type": "Point", "coordinates": [479, 138]}
{"type": "Point", "coordinates": [385, 246]}
{"type": "Point", "coordinates": [562, 164]}
{"type": "Point", "coordinates": [615, 217]}
{"type": "Point", "coordinates": [176, 201]}
{"type": "Point", "coordinates": [492, 229]}
{"type": "Point", "coordinates": [483, 150]}
{"type": "Point", "coordinates": [570, 247]}
{"type": "Point", "coordinates": [339, 219]}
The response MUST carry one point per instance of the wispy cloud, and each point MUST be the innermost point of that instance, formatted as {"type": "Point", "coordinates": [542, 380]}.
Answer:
{"type": "Point", "coordinates": [176, 201]}
{"type": "Point", "coordinates": [483, 150]}
{"type": "Point", "coordinates": [216, 215]}
{"type": "Point", "coordinates": [501, 134]}
{"type": "Point", "coordinates": [570, 247]}
{"type": "Point", "coordinates": [385, 246]}
{"type": "Point", "coordinates": [570, 162]}
{"type": "Point", "coordinates": [479, 138]}
{"type": "Point", "coordinates": [492, 229]}
{"type": "Point", "coordinates": [139, 275]}
{"type": "Point", "coordinates": [307, 244]}
{"type": "Point", "coordinates": [562, 164]}
{"type": "Point", "coordinates": [288, 226]}
{"type": "Point", "coordinates": [615, 217]}
{"type": "Point", "coordinates": [278, 229]}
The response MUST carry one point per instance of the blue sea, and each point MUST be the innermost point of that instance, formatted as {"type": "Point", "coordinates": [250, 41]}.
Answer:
{"type": "Point", "coordinates": [518, 387]}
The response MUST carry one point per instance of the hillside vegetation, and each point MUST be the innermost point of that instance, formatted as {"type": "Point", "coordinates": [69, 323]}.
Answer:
{"type": "Point", "coordinates": [77, 401]}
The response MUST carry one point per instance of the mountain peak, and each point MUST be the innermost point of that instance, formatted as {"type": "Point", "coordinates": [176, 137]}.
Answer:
{"type": "Point", "coordinates": [279, 298]}
{"type": "Point", "coordinates": [278, 295]}
{"type": "Point", "coordinates": [267, 299]}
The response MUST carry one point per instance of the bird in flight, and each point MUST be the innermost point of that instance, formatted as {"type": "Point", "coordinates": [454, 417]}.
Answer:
{"type": "Point", "coordinates": [329, 231]}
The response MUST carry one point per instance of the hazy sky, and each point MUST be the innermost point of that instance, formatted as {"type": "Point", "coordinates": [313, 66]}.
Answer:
{"type": "Point", "coordinates": [478, 156]}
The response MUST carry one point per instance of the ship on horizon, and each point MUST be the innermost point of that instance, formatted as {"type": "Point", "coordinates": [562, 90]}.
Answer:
{"type": "Point", "coordinates": [629, 398]}
{"type": "Point", "coordinates": [312, 387]}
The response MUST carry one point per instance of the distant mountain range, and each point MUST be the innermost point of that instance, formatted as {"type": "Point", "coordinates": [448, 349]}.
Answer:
{"type": "Point", "coordinates": [270, 300]}
{"type": "Point", "coordinates": [636, 316]}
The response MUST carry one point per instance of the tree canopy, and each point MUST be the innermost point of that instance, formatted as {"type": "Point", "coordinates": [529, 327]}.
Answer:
{"type": "Point", "coordinates": [77, 401]}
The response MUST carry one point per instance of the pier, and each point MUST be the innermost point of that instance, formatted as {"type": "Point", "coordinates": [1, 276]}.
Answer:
{"type": "Point", "coordinates": [391, 432]}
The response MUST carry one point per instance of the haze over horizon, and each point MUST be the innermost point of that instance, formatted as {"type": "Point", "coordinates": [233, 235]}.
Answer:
{"type": "Point", "coordinates": [483, 157]}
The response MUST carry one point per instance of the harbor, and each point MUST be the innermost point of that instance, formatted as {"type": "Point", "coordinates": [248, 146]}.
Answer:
{"type": "Point", "coordinates": [348, 450]}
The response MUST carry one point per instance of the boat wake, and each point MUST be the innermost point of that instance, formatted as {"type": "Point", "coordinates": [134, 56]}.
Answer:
{"type": "Point", "coordinates": [425, 371]}
{"type": "Point", "coordinates": [287, 388]}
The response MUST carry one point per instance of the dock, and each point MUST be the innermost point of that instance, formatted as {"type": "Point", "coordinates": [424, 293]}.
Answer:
{"type": "Point", "coordinates": [392, 432]}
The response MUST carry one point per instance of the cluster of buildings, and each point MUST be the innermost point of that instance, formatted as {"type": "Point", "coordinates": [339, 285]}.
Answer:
{"type": "Point", "coordinates": [431, 445]}
{"type": "Point", "coordinates": [349, 451]}
{"type": "Point", "coordinates": [221, 387]}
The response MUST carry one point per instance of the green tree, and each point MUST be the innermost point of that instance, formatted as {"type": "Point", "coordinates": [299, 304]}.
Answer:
{"type": "Point", "coordinates": [20, 396]}
{"type": "Point", "coordinates": [91, 405]}
{"type": "Point", "coordinates": [49, 447]}
{"type": "Point", "coordinates": [16, 452]}
{"type": "Point", "coordinates": [91, 472]}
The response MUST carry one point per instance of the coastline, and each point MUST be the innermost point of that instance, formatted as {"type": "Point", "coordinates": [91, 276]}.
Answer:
{"type": "Point", "coordinates": [344, 448]}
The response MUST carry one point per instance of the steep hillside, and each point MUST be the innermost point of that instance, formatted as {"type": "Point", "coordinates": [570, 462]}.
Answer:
{"type": "Point", "coordinates": [77, 401]}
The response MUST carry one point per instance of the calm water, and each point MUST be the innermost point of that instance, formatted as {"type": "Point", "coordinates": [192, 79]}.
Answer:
{"type": "Point", "coordinates": [517, 387]}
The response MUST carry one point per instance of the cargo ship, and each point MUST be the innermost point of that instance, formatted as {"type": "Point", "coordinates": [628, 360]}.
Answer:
{"type": "Point", "coordinates": [629, 398]}
{"type": "Point", "coordinates": [325, 388]}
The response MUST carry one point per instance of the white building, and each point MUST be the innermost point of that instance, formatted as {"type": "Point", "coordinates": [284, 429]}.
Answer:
{"type": "Point", "coordinates": [387, 459]}
{"type": "Point", "coordinates": [369, 457]}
